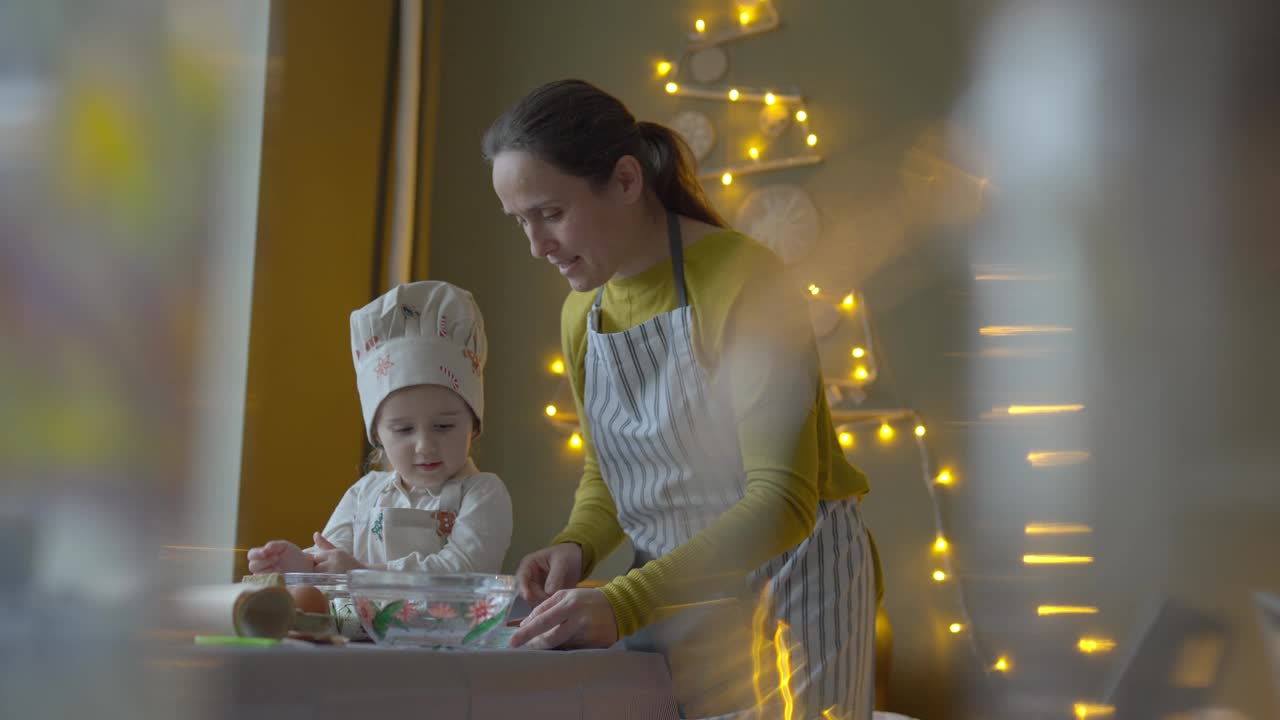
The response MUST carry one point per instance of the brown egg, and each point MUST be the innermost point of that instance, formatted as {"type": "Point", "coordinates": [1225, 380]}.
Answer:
{"type": "Point", "coordinates": [308, 598]}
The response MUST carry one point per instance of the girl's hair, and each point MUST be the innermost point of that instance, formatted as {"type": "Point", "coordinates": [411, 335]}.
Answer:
{"type": "Point", "coordinates": [373, 461]}
{"type": "Point", "coordinates": [583, 131]}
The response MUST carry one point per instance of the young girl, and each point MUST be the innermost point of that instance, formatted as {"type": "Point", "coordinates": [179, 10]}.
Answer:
{"type": "Point", "coordinates": [419, 354]}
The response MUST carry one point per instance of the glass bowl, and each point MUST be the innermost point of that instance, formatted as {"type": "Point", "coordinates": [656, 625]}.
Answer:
{"type": "Point", "coordinates": [430, 609]}
{"type": "Point", "coordinates": [334, 587]}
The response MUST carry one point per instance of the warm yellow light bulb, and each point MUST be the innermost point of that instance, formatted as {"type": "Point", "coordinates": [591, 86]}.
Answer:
{"type": "Point", "coordinates": [1042, 409]}
{"type": "Point", "coordinates": [1002, 664]}
{"type": "Point", "coordinates": [812, 139]}
{"type": "Point", "coordinates": [727, 178]}
{"type": "Point", "coordinates": [849, 302]}
{"type": "Point", "coordinates": [920, 431]}
{"type": "Point", "coordinates": [1009, 330]}
{"type": "Point", "coordinates": [1091, 645]}
{"type": "Point", "coordinates": [859, 352]}
{"type": "Point", "coordinates": [940, 545]}
{"type": "Point", "coordinates": [939, 575]}
{"type": "Point", "coordinates": [551, 411]}
{"type": "Point", "coordinates": [664, 67]}
{"type": "Point", "coordinates": [557, 366]}
{"type": "Point", "coordinates": [1056, 458]}
{"type": "Point", "coordinates": [575, 441]}
{"type": "Point", "coordinates": [754, 153]}
{"type": "Point", "coordinates": [886, 431]}
{"type": "Point", "coordinates": [744, 17]}
{"type": "Point", "coordinates": [700, 25]}
{"type": "Point", "coordinates": [861, 373]}
{"type": "Point", "coordinates": [1043, 610]}
{"type": "Point", "coordinates": [770, 98]}
{"type": "Point", "coordinates": [1056, 529]}
{"type": "Point", "coordinates": [1057, 559]}
{"type": "Point", "coordinates": [734, 94]}
{"type": "Point", "coordinates": [801, 115]}
{"type": "Point", "coordinates": [672, 88]}
{"type": "Point", "coordinates": [1091, 710]}
{"type": "Point", "coordinates": [955, 628]}
{"type": "Point", "coordinates": [944, 478]}
{"type": "Point", "coordinates": [846, 439]}
{"type": "Point", "coordinates": [814, 289]}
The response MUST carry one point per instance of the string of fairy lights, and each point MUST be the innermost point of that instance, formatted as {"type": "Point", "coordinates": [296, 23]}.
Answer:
{"type": "Point", "coordinates": [939, 480]}
{"type": "Point", "coordinates": [886, 425]}
{"type": "Point", "coordinates": [750, 19]}
{"type": "Point", "coordinates": [849, 385]}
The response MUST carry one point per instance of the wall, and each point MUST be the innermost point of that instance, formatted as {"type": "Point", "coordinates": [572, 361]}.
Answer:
{"type": "Point", "coordinates": [879, 78]}
{"type": "Point", "coordinates": [315, 256]}
{"type": "Point", "coordinates": [1110, 157]}
{"type": "Point", "coordinates": [1130, 148]}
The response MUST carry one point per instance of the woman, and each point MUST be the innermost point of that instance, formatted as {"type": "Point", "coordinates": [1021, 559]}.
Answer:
{"type": "Point", "coordinates": [709, 442]}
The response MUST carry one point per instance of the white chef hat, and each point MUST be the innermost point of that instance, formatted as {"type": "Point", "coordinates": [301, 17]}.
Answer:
{"type": "Point", "coordinates": [420, 333]}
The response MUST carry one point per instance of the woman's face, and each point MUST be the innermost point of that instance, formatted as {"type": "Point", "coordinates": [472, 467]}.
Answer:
{"type": "Point", "coordinates": [569, 223]}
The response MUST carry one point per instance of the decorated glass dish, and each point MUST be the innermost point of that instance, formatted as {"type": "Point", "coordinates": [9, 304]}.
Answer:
{"type": "Point", "coordinates": [429, 609]}
{"type": "Point", "coordinates": [333, 585]}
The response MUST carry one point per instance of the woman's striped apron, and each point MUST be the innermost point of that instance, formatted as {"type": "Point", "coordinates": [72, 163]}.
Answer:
{"type": "Point", "coordinates": [797, 641]}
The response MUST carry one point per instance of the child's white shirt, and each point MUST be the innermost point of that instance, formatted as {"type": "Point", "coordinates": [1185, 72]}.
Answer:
{"type": "Point", "coordinates": [465, 527]}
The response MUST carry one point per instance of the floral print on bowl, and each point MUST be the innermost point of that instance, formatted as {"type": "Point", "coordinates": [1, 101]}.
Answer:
{"type": "Point", "coordinates": [403, 621]}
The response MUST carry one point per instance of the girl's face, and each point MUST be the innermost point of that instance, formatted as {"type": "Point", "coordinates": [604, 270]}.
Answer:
{"type": "Point", "coordinates": [574, 226]}
{"type": "Point", "coordinates": [425, 431]}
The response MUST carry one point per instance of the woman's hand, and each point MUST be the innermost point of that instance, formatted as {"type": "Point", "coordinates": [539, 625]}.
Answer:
{"type": "Point", "coordinates": [333, 559]}
{"type": "Point", "coordinates": [569, 619]}
{"type": "Point", "coordinates": [543, 572]}
{"type": "Point", "coordinates": [280, 556]}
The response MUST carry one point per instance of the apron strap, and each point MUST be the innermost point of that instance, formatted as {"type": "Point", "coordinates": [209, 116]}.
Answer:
{"type": "Point", "coordinates": [676, 245]}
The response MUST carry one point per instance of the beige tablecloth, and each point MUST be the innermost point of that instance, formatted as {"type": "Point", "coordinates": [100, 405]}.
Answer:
{"type": "Point", "coordinates": [346, 683]}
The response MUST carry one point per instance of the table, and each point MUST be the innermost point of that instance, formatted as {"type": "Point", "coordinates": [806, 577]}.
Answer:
{"type": "Point", "coordinates": [357, 681]}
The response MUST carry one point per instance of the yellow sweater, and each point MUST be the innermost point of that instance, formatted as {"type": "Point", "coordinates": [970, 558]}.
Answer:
{"type": "Point", "coordinates": [753, 337]}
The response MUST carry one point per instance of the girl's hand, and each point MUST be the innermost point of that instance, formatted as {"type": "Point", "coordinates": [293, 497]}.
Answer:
{"type": "Point", "coordinates": [545, 571]}
{"type": "Point", "coordinates": [332, 559]}
{"type": "Point", "coordinates": [279, 556]}
{"type": "Point", "coordinates": [569, 619]}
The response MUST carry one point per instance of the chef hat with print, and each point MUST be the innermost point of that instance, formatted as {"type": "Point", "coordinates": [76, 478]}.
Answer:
{"type": "Point", "coordinates": [420, 333]}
